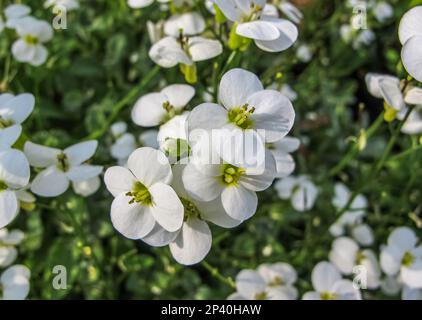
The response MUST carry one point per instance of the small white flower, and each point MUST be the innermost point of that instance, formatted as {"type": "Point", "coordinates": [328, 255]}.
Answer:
{"type": "Point", "coordinates": [410, 34]}
{"type": "Point", "coordinates": [14, 175]}
{"type": "Point", "coordinates": [33, 34]}
{"type": "Point", "coordinates": [345, 254]}
{"type": "Point", "coordinates": [68, 4]}
{"type": "Point", "coordinates": [189, 24]}
{"type": "Point", "coordinates": [13, 111]}
{"type": "Point", "coordinates": [269, 33]}
{"type": "Point", "coordinates": [143, 196]}
{"type": "Point", "coordinates": [403, 256]}
{"type": "Point", "coordinates": [15, 13]}
{"type": "Point", "coordinates": [304, 53]}
{"type": "Point", "coordinates": [61, 166]}
{"type": "Point", "coordinates": [155, 109]}
{"type": "Point", "coordinates": [301, 190]}
{"type": "Point", "coordinates": [383, 11]}
{"type": "Point", "coordinates": [269, 282]}
{"type": "Point", "coordinates": [87, 187]}
{"type": "Point", "coordinates": [123, 147]}
{"type": "Point", "coordinates": [329, 285]}
{"type": "Point", "coordinates": [247, 118]}
{"type": "Point", "coordinates": [169, 51]}
{"type": "Point", "coordinates": [14, 283]}
{"type": "Point", "coordinates": [8, 242]}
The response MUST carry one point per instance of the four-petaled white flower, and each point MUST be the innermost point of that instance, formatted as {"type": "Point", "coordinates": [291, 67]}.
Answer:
{"type": "Point", "coordinates": [329, 285]}
{"type": "Point", "coordinates": [8, 242]}
{"type": "Point", "coordinates": [14, 283]}
{"type": "Point", "coordinates": [154, 109]}
{"type": "Point", "coordinates": [250, 21]}
{"type": "Point", "coordinates": [301, 190]}
{"type": "Point", "coordinates": [16, 13]}
{"type": "Point", "coordinates": [61, 166]}
{"type": "Point", "coordinates": [13, 111]}
{"type": "Point", "coordinates": [143, 196]}
{"type": "Point", "coordinates": [410, 34]}
{"type": "Point", "coordinates": [33, 34]}
{"type": "Point", "coordinates": [346, 255]}
{"type": "Point", "coordinates": [14, 175]}
{"type": "Point", "coordinates": [402, 256]}
{"type": "Point", "coordinates": [269, 282]}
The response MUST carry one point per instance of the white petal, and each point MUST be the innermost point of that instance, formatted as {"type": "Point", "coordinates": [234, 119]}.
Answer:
{"type": "Point", "coordinates": [50, 182]}
{"type": "Point", "coordinates": [167, 53]}
{"type": "Point", "coordinates": [119, 180]}
{"type": "Point", "coordinates": [411, 294]}
{"type": "Point", "coordinates": [345, 290]}
{"type": "Point", "coordinates": [159, 237]}
{"type": "Point", "coordinates": [258, 30]}
{"type": "Point", "coordinates": [202, 49]}
{"type": "Point", "coordinates": [288, 34]}
{"type": "Point", "coordinates": [411, 56]}
{"type": "Point", "coordinates": [15, 282]}
{"type": "Point", "coordinates": [390, 260]}
{"type": "Point", "coordinates": [305, 196]}
{"type": "Point", "coordinates": [404, 238]}
{"type": "Point", "coordinates": [414, 96]}
{"type": "Point", "coordinates": [149, 138]}
{"type": "Point", "coordinates": [373, 86]}
{"type": "Point", "coordinates": [214, 212]}
{"type": "Point", "coordinates": [410, 24]}
{"type": "Point", "coordinates": [412, 276]}
{"type": "Point", "coordinates": [123, 147]}
{"type": "Point", "coordinates": [207, 116]}
{"type": "Point", "coordinates": [149, 111]}
{"type": "Point", "coordinates": [7, 256]}
{"type": "Point", "coordinates": [274, 114]}
{"type": "Point", "coordinates": [191, 23]}
{"type": "Point", "coordinates": [363, 234]}
{"type": "Point", "coordinates": [81, 152]}
{"type": "Point", "coordinates": [40, 156]}
{"type": "Point", "coordinates": [83, 172]}
{"type": "Point", "coordinates": [10, 135]}
{"type": "Point", "coordinates": [343, 254]}
{"type": "Point", "coordinates": [167, 209]}
{"type": "Point", "coordinates": [178, 95]}
{"type": "Point", "coordinates": [249, 284]}
{"type": "Point", "coordinates": [285, 187]}
{"type": "Point", "coordinates": [40, 55]}
{"type": "Point", "coordinates": [193, 243]}
{"type": "Point", "coordinates": [392, 93]}
{"type": "Point", "coordinates": [150, 166]}
{"type": "Point", "coordinates": [9, 207]}
{"type": "Point", "coordinates": [200, 186]}
{"type": "Point", "coordinates": [18, 108]}
{"type": "Point", "coordinates": [230, 9]}
{"type": "Point", "coordinates": [236, 86]}
{"type": "Point", "coordinates": [23, 52]}
{"type": "Point", "coordinates": [324, 276]}
{"type": "Point", "coordinates": [88, 187]}
{"type": "Point", "coordinates": [284, 162]}
{"type": "Point", "coordinates": [312, 295]}
{"type": "Point", "coordinates": [14, 168]}
{"type": "Point", "coordinates": [287, 144]}
{"type": "Point", "coordinates": [134, 221]}
{"type": "Point", "coordinates": [260, 178]}
{"type": "Point", "coordinates": [136, 4]}
{"type": "Point", "coordinates": [239, 202]}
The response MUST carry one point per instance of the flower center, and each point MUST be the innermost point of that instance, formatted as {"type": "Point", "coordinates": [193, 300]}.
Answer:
{"type": "Point", "coordinates": [3, 186]}
{"type": "Point", "coordinates": [261, 296]}
{"type": "Point", "coordinates": [31, 40]}
{"type": "Point", "coordinates": [63, 162]}
{"type": "Point", "coordinates": [171, 111]}
{"type": "Point", "coordinates": [232, 174]}
{"type": "Point", "coordinates": [360, 257]}
{"type": "Point", "coordinates": [191, 211]}
{"type": "Point", "coordinates": [254, 14]}
{"type": "Point", "coordinates": [241, 116]}
{"type": "Point", "coordinates": [276, 282]}
{"type": "Point", "coordinates": [4, 123]}
{"type": "Point", "coordinates": [140, 194]}
{"type": "Point", "coordinates": [408, 259]}
{"type": "Point", "coordinates": [328, 296]}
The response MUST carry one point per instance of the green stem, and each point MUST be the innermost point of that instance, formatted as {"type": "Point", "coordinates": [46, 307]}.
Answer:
{"type": "Point", "coordinates": [216, 274]}
{"type": "Point", "coordinates": [132, 94]}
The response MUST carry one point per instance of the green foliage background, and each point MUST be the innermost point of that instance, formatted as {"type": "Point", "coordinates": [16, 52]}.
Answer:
{"type": "Point", "coordinates": [100, 65]}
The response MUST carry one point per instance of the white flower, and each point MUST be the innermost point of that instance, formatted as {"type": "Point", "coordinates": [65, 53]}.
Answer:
{"type": "Point", "coordinates": [15, 13]}
{"type": "Point", "coordinates": [248, 118]}
{"type": "Point", "coordinates": [410, 34]}
{"type": "Point", "coordinates": [8, 242]}
{"type": "Point", "coordinates": [301, 190]}
{"type": "Point", "coordinates": [123, 147]}
{"type": "Point", "coordinates": [403, 256]}
{"type": "Point", "coordinates": [269, 282]}
{"type": "Point", "coordinates": [13, 111]}
{"type": "Point", "coordinates": [143, 196]}
{"type": "Point", "coordinates": [155, 109]}
{"type": "Point", "coordinates": [269, 33]}
{"type": "Point", "coordinates": [15, 283]}
{"type": "Point", "coordinates": [329, 285]}
{"type": "Point", "coordinates": [61, 166]}
{"type": "Point", "coordinates": [88, 187]}
{"type": "Point", "coordinates": [188, 24]}
{"type": "Point", "coordinates": [14, 175]}
{"type": "Point", "coordinates": [281, 152]}
{"type": "Point", "coordinates": [345, 254]}
{"type": "Point", "coordinates": [304, 53]}
{"type": "Point", "coordinates": [68, 4]}
{"type": "Point", "coordinates": [383, 11]}
{"type": "Point", "coordinates": [192, 242]}
{"type": "Point", "coordinates": [29, 48]}
{"type": "Point", "coordinates": [169, 51]}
